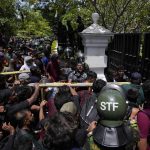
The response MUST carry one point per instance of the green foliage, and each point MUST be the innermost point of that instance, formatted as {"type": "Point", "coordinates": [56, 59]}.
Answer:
{"type": "Point", "coordinates": [32, 2]}
{"type": "Point", "coordinates": [123, 15]}
{"type": "Point", "coordinates": [74, 13]}
{"type": "Point", "coordinates": [7, 17]}
{"type": "Point", "coordinates": [67, 10]}
{"type": "Point", "coordinates": [34, 25]}
{"type": "Point", "coordinates": [115, 15]}
{"type": "Point", "coordinates": [31, 22]}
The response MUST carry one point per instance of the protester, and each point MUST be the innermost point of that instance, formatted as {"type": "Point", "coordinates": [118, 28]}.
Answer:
{"type": "Point", "coordinates": [135, 83]}
{"type": "Point", "coordinates": [143, 119]}
{"type": "Point", "coordinates": [60, 133]}
{"type": "Point", "coordinates": [66, 118]}
{"type": "Point", "coordinates": [9, 144]}
{"type": "Point", "coordinates": [35, 75]}
{"type": "Point", "coordinates": [46, 58]}
{"type": "Point", "coordinates": [53, 68]}
{"type": "Point", "coordinates": [121, 76]}
{"type": "Point", "coordinates": [28, 63]}
{"type": "Point", "coordinates": [78, 75]}
{"type": "Point", "coordinates": [10, 67]}
{"type": "Point", "coordinates": [89, 110]}
{"type": "Point", "coordinates": [24, 138]}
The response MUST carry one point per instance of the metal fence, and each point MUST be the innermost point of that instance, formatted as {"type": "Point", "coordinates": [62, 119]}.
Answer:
{"type": "Point", "coordinates": [131, 50]}
{"type": "Point", "coordinates": [146, 56]}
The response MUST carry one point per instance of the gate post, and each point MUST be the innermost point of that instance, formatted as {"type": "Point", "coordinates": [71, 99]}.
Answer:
{"type": "Point", "coordinates": [95, 39]}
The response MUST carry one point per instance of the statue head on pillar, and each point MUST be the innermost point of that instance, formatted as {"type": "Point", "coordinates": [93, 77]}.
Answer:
{"type": "Point", "coordinates": [95, 18]}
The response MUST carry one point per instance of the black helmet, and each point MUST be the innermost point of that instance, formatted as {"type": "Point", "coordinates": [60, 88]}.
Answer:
{"type": "Point", "coordinates": [80, 57]}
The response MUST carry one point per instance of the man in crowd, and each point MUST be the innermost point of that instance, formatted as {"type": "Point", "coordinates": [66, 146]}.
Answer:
{"type": "Point", "coordinates": [78, 75]}
{"type": "Point", "coordinates": [135, 83]}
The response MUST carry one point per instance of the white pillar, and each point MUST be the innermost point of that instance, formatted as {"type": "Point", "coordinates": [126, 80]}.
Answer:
{"type": "Point", "coordinates": [95, 40]}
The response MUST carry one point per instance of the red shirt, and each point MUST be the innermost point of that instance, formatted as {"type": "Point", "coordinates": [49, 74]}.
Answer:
{"type": "Point", "coordinates": [143, 121]}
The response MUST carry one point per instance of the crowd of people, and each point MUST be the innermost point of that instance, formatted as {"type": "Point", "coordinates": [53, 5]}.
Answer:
{"type": "Point", "coordinates": [102, 117]}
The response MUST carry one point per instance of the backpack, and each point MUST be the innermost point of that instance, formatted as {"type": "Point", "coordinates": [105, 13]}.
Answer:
{"type": "Point", "coordinates": [89, 111]}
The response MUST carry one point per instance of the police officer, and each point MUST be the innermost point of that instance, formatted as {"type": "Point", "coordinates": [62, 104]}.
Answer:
{"type": "Point", "coordinates": [81, 59]}
{"type": "Point", "coordinates": [111, 131]}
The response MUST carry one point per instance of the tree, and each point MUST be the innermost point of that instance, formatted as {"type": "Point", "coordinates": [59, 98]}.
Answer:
{"type": "Point", "coordinates": [37, 17]}
{"type": "Point", "coordinates": [31, 22]}
{"type": "Point", "coordinates": [22, 20]}
{"type": "Point", "coordinates": [8, 24]}
{"type": "Point", "coordinates": [115, 15]}
{"type": "Point", "coordinates": [121, 15]}
{"type": "Point", "coordinates": [33, 25]}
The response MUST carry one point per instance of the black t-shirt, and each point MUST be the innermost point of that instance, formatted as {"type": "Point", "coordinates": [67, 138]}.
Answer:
{"type": "Point", "coordinates": [12, 109]}
{"type": "Point", "coordinates": [34, 79]}
{"type": "Point", "coordinates": [4, 95]}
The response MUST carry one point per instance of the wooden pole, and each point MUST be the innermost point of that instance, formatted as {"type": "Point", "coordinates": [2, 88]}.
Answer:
{"type": "Point", "coordinates": [58, 84]}
{"type": "Point", "coordinates": [14, 72]}
{"type": "Point", "coordinates": [42, 94]}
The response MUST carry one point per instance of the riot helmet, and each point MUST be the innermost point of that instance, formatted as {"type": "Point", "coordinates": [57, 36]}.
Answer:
{"type": "Point", "coordinates": [114, 87]}
{"type": "Point", "coordinates": [111, 107]}
{"type": "Point", "coordinates": [111, 130]}
{"type": "Point", "coordinates": [80, 57]}
{"type": "Point", "coordinates": [68, 52]}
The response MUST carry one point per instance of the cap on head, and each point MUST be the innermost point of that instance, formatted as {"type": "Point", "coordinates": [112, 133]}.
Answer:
{"type": "Point", "coordinates": [23, 76]}
{"type": "Point", "coordinates": [69, 107]}
{"type": "Point", "coordinates": [27, 58]}
{"type": "Point", "coordinates": [136, 76]}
